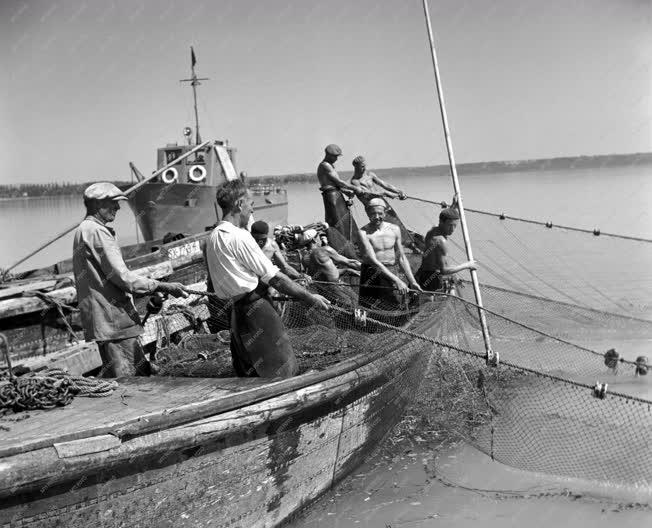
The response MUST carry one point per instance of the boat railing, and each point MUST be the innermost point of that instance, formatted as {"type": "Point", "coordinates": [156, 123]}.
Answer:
{"type": "Point", "coordinates": [258, 189]}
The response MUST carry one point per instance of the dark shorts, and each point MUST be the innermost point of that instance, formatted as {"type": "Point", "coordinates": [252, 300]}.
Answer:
{"type": "Point", "coordinates": [337, 293]}
{"type": "Point", "coordinates": [260, 345]}
{"type": "Point", "coordinates": [123, 357]}
{"type": "Point", "coordinates": [429, 280]}
{"type": "Point", "coordinates": [342, 226]}
{"type": "Point", "coordinates": [376, 290]}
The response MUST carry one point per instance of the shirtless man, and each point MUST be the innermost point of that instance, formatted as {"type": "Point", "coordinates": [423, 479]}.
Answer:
{"type": "Point", "coordinates": [336, 194]}
{"type": "Point", "coordinates": [368, 183]}
{"type": "Point", "coordinates": [382, 247]}
{"type": "Point", "coordinates": [320, 261]}
{"type": "Point", "coordinates": [435, 258]}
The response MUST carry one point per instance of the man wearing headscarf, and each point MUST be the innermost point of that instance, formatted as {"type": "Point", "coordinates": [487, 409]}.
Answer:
{"type": "Point", "coordinates": [383, 256]}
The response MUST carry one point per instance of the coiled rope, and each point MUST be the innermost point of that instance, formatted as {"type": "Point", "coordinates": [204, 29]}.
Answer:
{"type": "Point", "coordinates": [46, 389]}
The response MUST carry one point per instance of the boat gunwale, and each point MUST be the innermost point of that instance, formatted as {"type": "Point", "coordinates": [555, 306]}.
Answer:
{"type": "Point", "coordinates": [176, 416]}
{"type": "Point", "coordinates": [151, 441]}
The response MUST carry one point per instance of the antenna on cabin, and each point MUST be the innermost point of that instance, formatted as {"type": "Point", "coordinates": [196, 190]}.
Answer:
{"type": "Point", "coordinates": [194, 82]}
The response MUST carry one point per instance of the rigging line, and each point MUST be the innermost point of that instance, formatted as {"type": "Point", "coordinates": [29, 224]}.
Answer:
{"type": "Point", "coordinates": [535, 276]}
{"type": "Point", "coordinates": [541, 298]}
{"type": "Point", "coordinates": [502, 278]}
{"type": "Point", "coordinates": [503, 216]}
{"type": "Point", "coordinates": [530, 250]}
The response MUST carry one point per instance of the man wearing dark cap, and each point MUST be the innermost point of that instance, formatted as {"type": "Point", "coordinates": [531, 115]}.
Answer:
{"type": "Point", "coordinates": [105, 286]}
{"type": "Point", "coordinates": [434, 265]}
{"type": "Point", "coordinates": [260, 232]}
{"type": "Point", "coordinates": [337, 194]}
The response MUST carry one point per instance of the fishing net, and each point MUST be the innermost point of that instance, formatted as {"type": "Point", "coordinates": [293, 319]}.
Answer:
{"type": "Point", "coordinates": [540, 409]}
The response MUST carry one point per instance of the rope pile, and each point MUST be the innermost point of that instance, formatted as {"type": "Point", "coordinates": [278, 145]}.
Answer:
{"type": "Point", "coordinates": [49, 389]}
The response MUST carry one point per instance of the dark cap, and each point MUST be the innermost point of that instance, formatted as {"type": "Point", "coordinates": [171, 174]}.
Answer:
{"type": "Point", "coordinates": [333, 150]}
{"type": "Point", "coordinates": [449, 214]}
{"type": "Point", "coordinates": [259, 229]}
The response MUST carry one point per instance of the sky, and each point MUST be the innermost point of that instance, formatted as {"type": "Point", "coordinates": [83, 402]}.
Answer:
{"type": "Point", "coordinates": [89, 85]}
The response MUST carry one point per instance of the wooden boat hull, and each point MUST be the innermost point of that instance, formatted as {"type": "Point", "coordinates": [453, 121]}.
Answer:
{"type": "Point", "coordinates": [252, 466]}
{"type": "Point", "coordinates": [187, 208]}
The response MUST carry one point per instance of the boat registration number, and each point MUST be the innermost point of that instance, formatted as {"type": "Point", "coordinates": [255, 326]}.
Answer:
{"type": "Point", "coordinates": [186, 250]}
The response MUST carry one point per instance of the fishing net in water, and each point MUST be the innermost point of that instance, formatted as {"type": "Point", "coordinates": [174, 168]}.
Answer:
{"type": "Point", "coordinates": [538, 410]}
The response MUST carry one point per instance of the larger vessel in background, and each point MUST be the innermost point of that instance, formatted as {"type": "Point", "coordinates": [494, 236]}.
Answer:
{"type": "Point", "coordinates": [182, 199]}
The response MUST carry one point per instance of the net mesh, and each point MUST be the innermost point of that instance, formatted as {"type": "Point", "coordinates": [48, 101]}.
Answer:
{"type": "Point", "coordinates": [556, 301]}
{"type": "Point", "coordinates": [537, 410]}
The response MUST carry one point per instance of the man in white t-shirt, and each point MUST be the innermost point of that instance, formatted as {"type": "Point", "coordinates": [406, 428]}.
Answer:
{"type": "Point", "coordinates": [241, 273]}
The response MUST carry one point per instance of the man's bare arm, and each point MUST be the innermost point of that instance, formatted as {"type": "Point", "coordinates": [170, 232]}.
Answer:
{"type": "Point", "coordinates": [403, 261]}
{"type": "Point", "coordinates": [340, 259]}
{"type": "Point", "coordinates": [440, 249]}
{"type": "Point", "coordinates": [387, 187]}
{"type": "Point", "coordinates": [334, 179]}
{"type": "Point", "coordinates": [285, 285]}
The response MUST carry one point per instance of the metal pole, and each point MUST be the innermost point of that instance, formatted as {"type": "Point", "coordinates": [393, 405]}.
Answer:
{"type": "Point", "coordinates": [129, 191]}
{"type": "Point", "coordinates": [492, 358]}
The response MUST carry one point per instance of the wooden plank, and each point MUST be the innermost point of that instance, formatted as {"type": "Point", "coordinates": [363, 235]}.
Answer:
{"type": "Point", "coordinates": [68, 295]}
{"type": "Point", "coordinates": [77, 359]}
{"type": "Point", "coordinates": [378, 360]}
{"type": "Point", "coordinates": [12, 291]}
{"type": "Point", "coordinates": [86, 446]}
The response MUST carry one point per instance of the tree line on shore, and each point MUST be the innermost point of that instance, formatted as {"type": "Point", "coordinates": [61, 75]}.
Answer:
{"type": "Point", "coordinates": [25, 190]}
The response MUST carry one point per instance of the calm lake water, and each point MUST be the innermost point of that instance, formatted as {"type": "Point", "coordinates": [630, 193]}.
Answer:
{"type": "Point", "coordinates": [549, 263]}
{"type": "Point", "coordinates": [616, 200]}
{"type": "Point", "coordinates": [600, 272]}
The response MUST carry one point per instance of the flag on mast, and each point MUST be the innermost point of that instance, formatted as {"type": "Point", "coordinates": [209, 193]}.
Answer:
{"type": "Point", "coordinates": [193, 59]}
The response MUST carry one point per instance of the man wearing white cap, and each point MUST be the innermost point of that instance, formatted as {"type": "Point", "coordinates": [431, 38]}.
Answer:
{"type": "Point", "coordinates": [379, 279]}
{"type": "Point", "coordinates": [105, 286]}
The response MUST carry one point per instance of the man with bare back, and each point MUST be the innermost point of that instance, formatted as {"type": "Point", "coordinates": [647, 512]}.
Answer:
{"type": "Point", "coordinates": [337, 195]}
{"type": "Point", "coordinates": [434, 265]}
{"type": "Point", "coordinates": [383, 256]}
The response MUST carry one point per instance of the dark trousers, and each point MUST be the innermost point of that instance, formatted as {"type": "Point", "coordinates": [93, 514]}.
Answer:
{"type": "Point", "coordinates": [123, 357]}
{"type": "Point", "coordinates": [260, 345]}
{"type": "Point", "coordinates": [429, 280]}
{"type": "Point", "coordinates": [376, 290]}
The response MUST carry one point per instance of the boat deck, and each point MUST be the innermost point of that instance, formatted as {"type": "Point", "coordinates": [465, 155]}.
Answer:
{"type": "Point", "coordinates": [133, 399]}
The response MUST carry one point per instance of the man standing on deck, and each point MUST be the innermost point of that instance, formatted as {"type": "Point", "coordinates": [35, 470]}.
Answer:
{"type": "Point", "coordinates": [379, 280]}
{"type": "Point", "coordinates": [337, 195]}
{"type": "Point", "coordinates": [368, 184]}
{"type": "Point", "coordinates": [105, 286]}
{"type": "Point", "coordinates": [241, 273]}
{"type": "Point", "coordinates": [435, 257]}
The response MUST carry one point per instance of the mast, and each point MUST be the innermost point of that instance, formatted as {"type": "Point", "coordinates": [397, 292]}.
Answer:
{"type": "Point", "coordinates": [194, 82]}
{"type": "Point", "coordinates": [492, 358]}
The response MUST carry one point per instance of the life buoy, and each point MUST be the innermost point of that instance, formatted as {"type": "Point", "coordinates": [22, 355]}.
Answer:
{"type": "Point", "coordinates": [202, 173]}
{"type": "Point", "coordinates": [170, 176]}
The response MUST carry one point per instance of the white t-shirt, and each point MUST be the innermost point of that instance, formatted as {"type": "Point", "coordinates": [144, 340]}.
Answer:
{"type": "Point", "coordinates": [235, 262]}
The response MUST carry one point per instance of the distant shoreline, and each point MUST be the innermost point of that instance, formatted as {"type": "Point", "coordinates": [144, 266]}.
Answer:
{"type": "Point", "coordinates": [24, 191]}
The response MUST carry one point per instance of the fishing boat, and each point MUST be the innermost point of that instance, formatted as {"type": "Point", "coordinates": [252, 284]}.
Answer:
{"type": "Point", "coordinates": [181, 200]}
